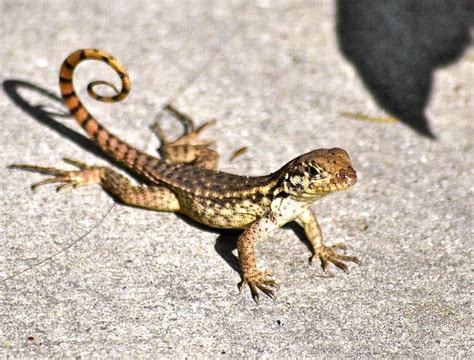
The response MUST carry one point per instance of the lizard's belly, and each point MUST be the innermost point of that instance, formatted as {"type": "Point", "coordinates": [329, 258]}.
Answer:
{"type": "Point", "coordinates": [226, 213]}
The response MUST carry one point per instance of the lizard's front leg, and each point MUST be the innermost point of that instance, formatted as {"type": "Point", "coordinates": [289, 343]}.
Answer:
{"type": "Point", "coordinates": [150, 197]}
{"type": "Point", "coordinates": [256, 279]}
{"type": "Point", "coordinates": [320, 250]}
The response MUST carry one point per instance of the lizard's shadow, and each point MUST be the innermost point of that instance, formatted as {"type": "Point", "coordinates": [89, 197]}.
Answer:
{"type": "Point", "coordinates": [226, 242]}
{"type": "Point", "coordinates": [38, 112]}
{"type": "Point", "coordinates": [14, 88]}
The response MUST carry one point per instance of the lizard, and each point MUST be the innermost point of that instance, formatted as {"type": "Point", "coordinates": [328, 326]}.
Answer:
{"type": "Point", "coordinates": [185, 179]}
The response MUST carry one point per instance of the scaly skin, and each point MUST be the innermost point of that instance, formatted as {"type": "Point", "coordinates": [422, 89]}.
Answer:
{"type": "Point", "coordinates": [185, 180]}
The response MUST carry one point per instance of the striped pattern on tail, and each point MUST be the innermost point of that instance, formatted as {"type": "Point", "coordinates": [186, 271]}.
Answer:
{"type": "Point", "coordinates": [109, 143]}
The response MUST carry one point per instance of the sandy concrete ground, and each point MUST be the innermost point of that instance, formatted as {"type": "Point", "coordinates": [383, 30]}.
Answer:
{"type": "Point", "coordinates": [83, 276]}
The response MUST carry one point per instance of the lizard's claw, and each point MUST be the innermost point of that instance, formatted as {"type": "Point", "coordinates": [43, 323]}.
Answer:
{"type": "Point", "coordinates": [258, 280]}
{"type": "Point", "coordinates": [87, 175]}
{"type": "Point", "coordinates": [328, 254]}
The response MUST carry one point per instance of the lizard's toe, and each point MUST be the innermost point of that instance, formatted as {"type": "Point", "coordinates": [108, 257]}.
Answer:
{"type": "Point", "coordinates": [259, 281]}
{"type": "Point", "coordinates": [87, 175]}
{"type": "Point", "coordinates": [328, 254]}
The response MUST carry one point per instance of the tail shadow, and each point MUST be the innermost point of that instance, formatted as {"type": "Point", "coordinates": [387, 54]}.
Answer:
{"type": "Point", "coordinates": [13, 89]}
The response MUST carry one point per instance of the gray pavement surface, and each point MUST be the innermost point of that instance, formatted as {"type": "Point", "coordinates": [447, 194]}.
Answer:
{"type": "Point", "coordinates": [107, 280]}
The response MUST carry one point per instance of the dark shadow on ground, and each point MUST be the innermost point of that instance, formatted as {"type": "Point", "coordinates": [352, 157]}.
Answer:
{"type": "Point", "coordinates": [397, 45]}
{"type": "Point", "coordinates": [17, 91]}
{"type": "Point", "coordinates": [14, 88]}
{"type": "Point", "coordinates": [226, 243]}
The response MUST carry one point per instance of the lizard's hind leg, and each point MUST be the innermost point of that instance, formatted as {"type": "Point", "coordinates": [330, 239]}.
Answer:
{"type": "Point", "coordinates": [150, 197]}
{"type": "Point", "coordinates": [188, 148]}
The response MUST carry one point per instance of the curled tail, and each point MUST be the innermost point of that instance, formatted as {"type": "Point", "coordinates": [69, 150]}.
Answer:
{"type": "Point", "coordinates": [109, 143]}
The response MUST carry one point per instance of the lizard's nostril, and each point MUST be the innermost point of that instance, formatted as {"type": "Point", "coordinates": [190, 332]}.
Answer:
{"type": "Point", "coordinates": [342, 175]}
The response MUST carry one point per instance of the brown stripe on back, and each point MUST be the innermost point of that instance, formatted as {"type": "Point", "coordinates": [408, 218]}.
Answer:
{"type": "Point", "coordinates": [75, 57]}
{"type": "Point", "coordinates": [71, 100]}
{"type": "Point", "coordinates": [121, 150]}
{"type": "Point", "coordinates": [75, 109]}
{"type": "Point", "coordinates": [91, 126]}
{"type": "Point", "coordinates": [112, 143]}
{"type": "Point", "coordinates": [67, 88]}
{"type": "Point", "coordinates": [139, 161]}
{"type": "Point", "coordinates": [130, 155]}
{"type": "Point", "coordinates": [69, 96]}
{"type": "Point", "coordinates": [66, 72]}
{"type": "Point", "coordinates": [65, 78]}
{"type": "Point", "coordinates": [67, 65]}
{"type": "Point", "coordinates": [81, 114]}
{"type": "Point", "coordinates": [101, 136]}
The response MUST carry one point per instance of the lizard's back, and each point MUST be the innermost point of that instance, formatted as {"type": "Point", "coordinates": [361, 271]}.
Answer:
{"type": "Point", "coordinates": [212, 197]}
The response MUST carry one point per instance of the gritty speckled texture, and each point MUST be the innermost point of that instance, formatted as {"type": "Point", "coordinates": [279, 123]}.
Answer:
{"type": "Point", "coordinates": [143, 283]}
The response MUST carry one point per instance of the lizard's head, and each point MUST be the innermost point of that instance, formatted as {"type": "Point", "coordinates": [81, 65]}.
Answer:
{"type": "Point", "coordinates": [318, 173]}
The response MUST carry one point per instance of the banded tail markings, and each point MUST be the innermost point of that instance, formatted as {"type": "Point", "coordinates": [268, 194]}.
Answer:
{"type": "Point", "coordinates": [109, 143]}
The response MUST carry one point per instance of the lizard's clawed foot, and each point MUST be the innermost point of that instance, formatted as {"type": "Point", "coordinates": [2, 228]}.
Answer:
{"type": "Point", "coordinates": [87, 175]}
{"type": "Point", "coordinates": [328, 254]}
{"type": "Point", "coordinates": [258, 280]}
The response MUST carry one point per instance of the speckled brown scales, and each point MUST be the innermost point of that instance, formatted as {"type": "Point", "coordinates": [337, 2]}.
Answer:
{"type": "Point", "coordinates": [185, 180]}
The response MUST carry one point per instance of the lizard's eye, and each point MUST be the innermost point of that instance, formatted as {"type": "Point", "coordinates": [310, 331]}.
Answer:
{"type": "Point", "coordinates": [314, 171]}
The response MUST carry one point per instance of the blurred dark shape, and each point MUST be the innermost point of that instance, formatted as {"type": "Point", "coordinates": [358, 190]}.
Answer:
{"type": "Point", "coordinates": [396, 45]}
{"type": "Point", "coordinates": [17, 91]}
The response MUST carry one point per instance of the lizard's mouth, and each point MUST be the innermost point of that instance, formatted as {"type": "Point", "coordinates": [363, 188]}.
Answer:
{"type": "Point", "coordinates": [347, 176]}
